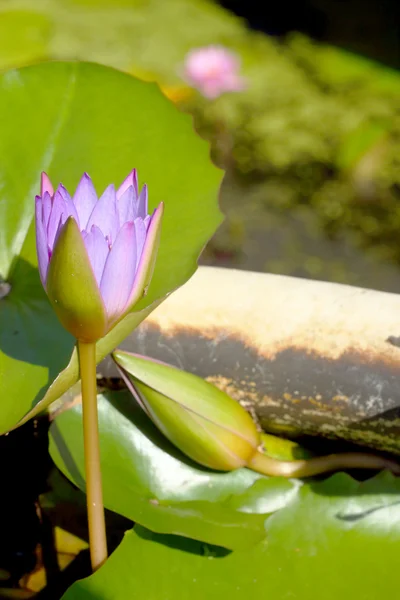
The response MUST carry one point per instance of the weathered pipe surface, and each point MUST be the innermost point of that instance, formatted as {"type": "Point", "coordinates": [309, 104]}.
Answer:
{"type": "Point", "coordinates": [305, 357]}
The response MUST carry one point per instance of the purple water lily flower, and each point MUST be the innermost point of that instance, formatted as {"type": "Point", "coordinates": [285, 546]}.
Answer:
{"type": "Point", "coordinates": [213, 70]}
{"type": "Point", "coordinates": [95, 255]}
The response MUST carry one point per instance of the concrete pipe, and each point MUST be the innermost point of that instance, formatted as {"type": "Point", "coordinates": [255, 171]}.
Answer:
{"type": "Point", "coordinates": [305, 357]}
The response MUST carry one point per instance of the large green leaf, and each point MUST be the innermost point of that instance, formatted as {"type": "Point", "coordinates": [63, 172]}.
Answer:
{"type": "Point", "coordinates": [67, 118]}
{"type": "Point", "coordinates": [149, 481]}
{"type": "Point", "coordinates": [336, 539]}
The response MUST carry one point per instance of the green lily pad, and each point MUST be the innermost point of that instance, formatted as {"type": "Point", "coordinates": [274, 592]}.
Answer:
{"type": "Point", "coordinates": [67, 118]}
{"type": "Point", "coordinates": [335, 539]}
{"type": "Point", "coordinates": [148, 480]}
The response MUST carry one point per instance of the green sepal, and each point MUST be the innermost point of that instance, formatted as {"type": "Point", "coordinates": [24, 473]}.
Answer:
{"type": "Point", "coordinates": [202, 421]}
{"type": "Point", "coordinates": [72, 288]}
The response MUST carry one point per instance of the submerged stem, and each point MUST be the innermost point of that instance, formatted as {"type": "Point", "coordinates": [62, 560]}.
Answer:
{"type": "Point", "coordinates": [94, 494]}
{"type": "Point", "coordinates": [322, 464]}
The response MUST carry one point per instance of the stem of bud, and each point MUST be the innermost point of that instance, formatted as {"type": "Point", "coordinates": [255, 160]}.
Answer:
{"type": "Point", "coordinates": [322, 464]}
{"type": "Point", "coordinates": [94, 493]}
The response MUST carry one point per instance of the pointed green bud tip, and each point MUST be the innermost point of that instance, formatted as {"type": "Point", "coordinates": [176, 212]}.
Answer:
{"type": "Point", "coordinates": [202, 421]}
{"type": "Point", "coordinates": [71, 286]}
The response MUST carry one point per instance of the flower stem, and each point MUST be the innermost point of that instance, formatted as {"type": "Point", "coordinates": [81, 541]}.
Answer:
{"type": "Point", "coordinates": [321, 464]}
{"type": "Point", "coordinates": [94, 494]}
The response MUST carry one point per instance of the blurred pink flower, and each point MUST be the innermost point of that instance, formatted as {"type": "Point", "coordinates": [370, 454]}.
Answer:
{"type": "Point", "coordinates": [213, 70]}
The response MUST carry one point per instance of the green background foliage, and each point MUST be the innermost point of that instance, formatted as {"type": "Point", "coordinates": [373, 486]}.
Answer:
{"type": "Point", "coordinates": [314, 139]}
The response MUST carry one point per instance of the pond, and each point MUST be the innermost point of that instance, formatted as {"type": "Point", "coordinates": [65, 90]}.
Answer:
{"type": "Point", "coordinates": [306, 136]}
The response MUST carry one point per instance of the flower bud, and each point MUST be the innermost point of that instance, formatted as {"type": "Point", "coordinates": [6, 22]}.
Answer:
{"type": "Point", "coordinates": [96, 256]}
{"type": "Point", "coordinates": [202, 421]}
{"type": "Point", "coordinates": [213, 70]}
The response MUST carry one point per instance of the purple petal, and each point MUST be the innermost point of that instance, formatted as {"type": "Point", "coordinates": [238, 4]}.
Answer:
{"type": "Point", "coordinates": [47, 203]}
{"type": "Point", "coordinates": [69, 203]}
{"type": "Point", "coordinates": [131, 180]}
{"type": "Point", "coordinates": [45, 185]}
{"type": "Point", "coordinates": [119, 272]}
{"type": "Point", "coordinates": [85, 199]}
{"type": "Point", "coordinates": [62, 190]}
{"type": "Point", "coordinates": [97, 249]}
{"type": "Point", "coordinates": [57, 211]}
{"type": "Point", "coordinates": [125, 206]}
{"type": "Point", "coordinates": [147, 221]}
{"type": "Point", "coordinates": [41, 241]}
{"type": "Point", "coordinates": [60, 225]}
{"type": "Point", "coordinates": [142, 203]}
{"type": "Point", "coordinates": [141, 230]}
{"type": "Point", "coordinates": [105, 215]}
{"type": "Point", "coordinates": [147, 258]}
